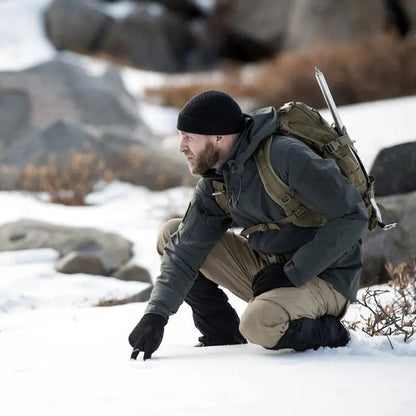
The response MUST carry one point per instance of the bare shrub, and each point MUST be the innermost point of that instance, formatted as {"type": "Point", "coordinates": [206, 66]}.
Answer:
{"type": "Point", "coordinates": [66, 185]}
{"type": "Point", "coordinates": [397, 314]}
{"type": "Point", "coordinates": [69, 184]}
{"type": "Point", "coordinates": [368, 70]}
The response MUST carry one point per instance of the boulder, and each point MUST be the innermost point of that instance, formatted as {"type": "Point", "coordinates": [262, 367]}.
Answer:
{"type": "Point", "coordinates": [59, 140]}
{"type": "Point", "coordinates": [110, 249]}
{"type": "Point", "coordinates": [57, 109]}
{"type": "Point", "coordinates": [76, 25]}
{"type": "Point", "coordinates": [79, 262]}
{"type": "Point", "coordinates": [62, 90]}
{"type": "Point", "coordinates": [395, 169]}
{"type": "Point", "coordinates": [15, 112]}
{"type": "Point", "coordinates": [326, 21]}
{"type": "Point", "coordinates": [150, 37]}
{"type": "Point", "coordinates": [131, 271]}
{"type": "Point", "coordinates": [262, 25]}
{"type": "Point", "coordinates": [396, 245]}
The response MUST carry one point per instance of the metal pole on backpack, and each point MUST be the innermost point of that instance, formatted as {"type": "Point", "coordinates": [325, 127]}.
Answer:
{"type": "Point", "coordinates": [341, 130]}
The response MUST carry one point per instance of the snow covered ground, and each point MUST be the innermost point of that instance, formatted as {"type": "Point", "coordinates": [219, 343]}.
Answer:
{"type": "Point", "coordinates": [59, 355]}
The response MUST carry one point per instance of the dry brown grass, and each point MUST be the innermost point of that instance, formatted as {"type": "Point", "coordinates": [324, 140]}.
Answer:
{"type": "Point", "coordinates": [70, 184]}
{"type": "Point", "coordinates": [368, 70]}
{"type": "Point", "coordinates": [66, 185]}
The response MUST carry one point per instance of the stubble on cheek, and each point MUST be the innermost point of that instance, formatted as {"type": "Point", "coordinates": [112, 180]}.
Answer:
{"type": "Point", "coordinates": [203, 161]}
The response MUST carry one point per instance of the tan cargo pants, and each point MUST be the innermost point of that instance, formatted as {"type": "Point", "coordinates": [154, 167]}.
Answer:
{"type": "Point", "coordinates": [233, 264]}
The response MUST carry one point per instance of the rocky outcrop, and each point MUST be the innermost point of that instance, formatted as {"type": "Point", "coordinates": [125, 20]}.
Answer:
{"type": "Point", "coordinates": [396, 245]}
{"type": "Point", "coordinates": [59, 89]}
{"type": "Point", "coordinates": [152, 36]}
{"type": "Point", "coordinates": [56, 111]}
{"type": "Point", "coordinates": [395, 169]}
{"type": "Point", "coordinates": [177, 35]}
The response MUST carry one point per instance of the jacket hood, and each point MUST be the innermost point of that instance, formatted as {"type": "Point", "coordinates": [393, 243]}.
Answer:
{"type": "Point", "coordinates": [258, 126]}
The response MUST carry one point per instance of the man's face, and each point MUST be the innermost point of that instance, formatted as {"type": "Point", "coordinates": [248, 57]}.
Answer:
{"type": "Point", "coordinates": [200, 151]}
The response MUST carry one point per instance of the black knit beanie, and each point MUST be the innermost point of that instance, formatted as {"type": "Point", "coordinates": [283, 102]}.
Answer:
{"type": "Point", "coordinates": [210, 113]}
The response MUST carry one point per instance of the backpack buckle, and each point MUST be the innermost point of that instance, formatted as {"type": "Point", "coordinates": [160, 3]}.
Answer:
{"type": "Point", "coordinates": [332, 146]}
{"type": "Point", "coordinates": [263, 227]}
{"type": "Point", "coordinates": [285, 199]}
{"type": "Point", "coordinates": [301, 212]}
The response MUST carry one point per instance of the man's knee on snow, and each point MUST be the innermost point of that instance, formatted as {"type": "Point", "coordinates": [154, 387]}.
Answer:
{"type": "Point", "coordinates": [264, 322]}
{"type": "Point", "coordinates": [165, 232]}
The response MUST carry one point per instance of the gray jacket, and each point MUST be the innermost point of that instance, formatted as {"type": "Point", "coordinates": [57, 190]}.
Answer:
{"type": "Point", "coordinates": [331, 252]}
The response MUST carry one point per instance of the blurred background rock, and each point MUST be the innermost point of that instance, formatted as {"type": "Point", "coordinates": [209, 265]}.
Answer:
{"type": "Point", "coordinates": [367, 49]}
{"type": "Point", "coordinates": [62, 128]}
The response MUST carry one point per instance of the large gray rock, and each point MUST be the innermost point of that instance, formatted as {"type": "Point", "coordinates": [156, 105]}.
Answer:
{"type": "Point", "coordinates": [110, 249]}
{"type": "Point", "coordinates": [57, 109]}
{"type": "Point", "coordinates": [77, 25]}
{"type": "Point", "coordinates": [59, 140]}
{"type": "Point", "coordinates": [14, 115]}
{"type": "Point", "coordinates": [395, 169]}
{"type": "Point", "coordinates": [327, 21]}
{"type": "Point", "coordinates": [61, 90]}
{"type": "Point", "coordinates": [80, 262]}
{"type": "Point", "coordinates": [150, 37]}
{"type": "Point", "coordinates": [263, 22]}
{"type": "Point", "coordinates": [396, 245]}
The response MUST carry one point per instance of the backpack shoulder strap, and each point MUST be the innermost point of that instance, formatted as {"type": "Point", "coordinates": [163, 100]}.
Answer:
{"type": "Point", "coordinates": [282, 194]}
{"type": "Point", "coordinates": [220, 195]}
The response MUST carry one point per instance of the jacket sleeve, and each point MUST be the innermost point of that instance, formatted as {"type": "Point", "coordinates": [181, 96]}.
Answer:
{"type": "Point", "coordinates": [202, 226]}
{"type": "Point", "coordinates": [320, 185]}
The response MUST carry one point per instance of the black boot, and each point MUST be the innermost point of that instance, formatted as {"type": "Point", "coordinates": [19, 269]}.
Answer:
{"type": "Point", "coordinates": [306, 333]}
{"type": "Point", "coordinates": [213, 315]}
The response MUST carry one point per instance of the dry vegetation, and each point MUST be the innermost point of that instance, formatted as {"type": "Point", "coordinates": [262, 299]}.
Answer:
{"type": "Point", "coordinates": [69, 184]}
{"type": "Point", "coordinates": [368, 70]}
{"type": "Point", "coordinates": [396, 316]}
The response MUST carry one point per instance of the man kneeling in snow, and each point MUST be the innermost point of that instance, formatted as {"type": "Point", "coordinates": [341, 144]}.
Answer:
{"type": "Point", "coordinates": [298, 281]}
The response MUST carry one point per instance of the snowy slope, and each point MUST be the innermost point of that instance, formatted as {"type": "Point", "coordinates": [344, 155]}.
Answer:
{"type": "Point", "coordinates": [75, 361]}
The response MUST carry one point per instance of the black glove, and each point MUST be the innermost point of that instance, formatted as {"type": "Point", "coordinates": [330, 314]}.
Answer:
{"type": "Point", "coordinates": [270, 277]}
{"type": "Point", "coordinates": [147, 335]}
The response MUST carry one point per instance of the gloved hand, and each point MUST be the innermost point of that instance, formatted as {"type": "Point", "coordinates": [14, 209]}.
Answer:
{"type": "Point", "coordinates": [270, 277]}
{"type": "Point", "coordinates": [147, 335]}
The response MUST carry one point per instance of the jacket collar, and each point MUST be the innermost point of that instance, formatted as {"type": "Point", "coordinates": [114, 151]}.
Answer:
{"type": "Point", "coordinates": [258, 126]}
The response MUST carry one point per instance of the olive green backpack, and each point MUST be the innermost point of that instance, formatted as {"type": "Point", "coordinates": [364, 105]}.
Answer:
{"type": "Point", "coordinates": [302, 122]}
